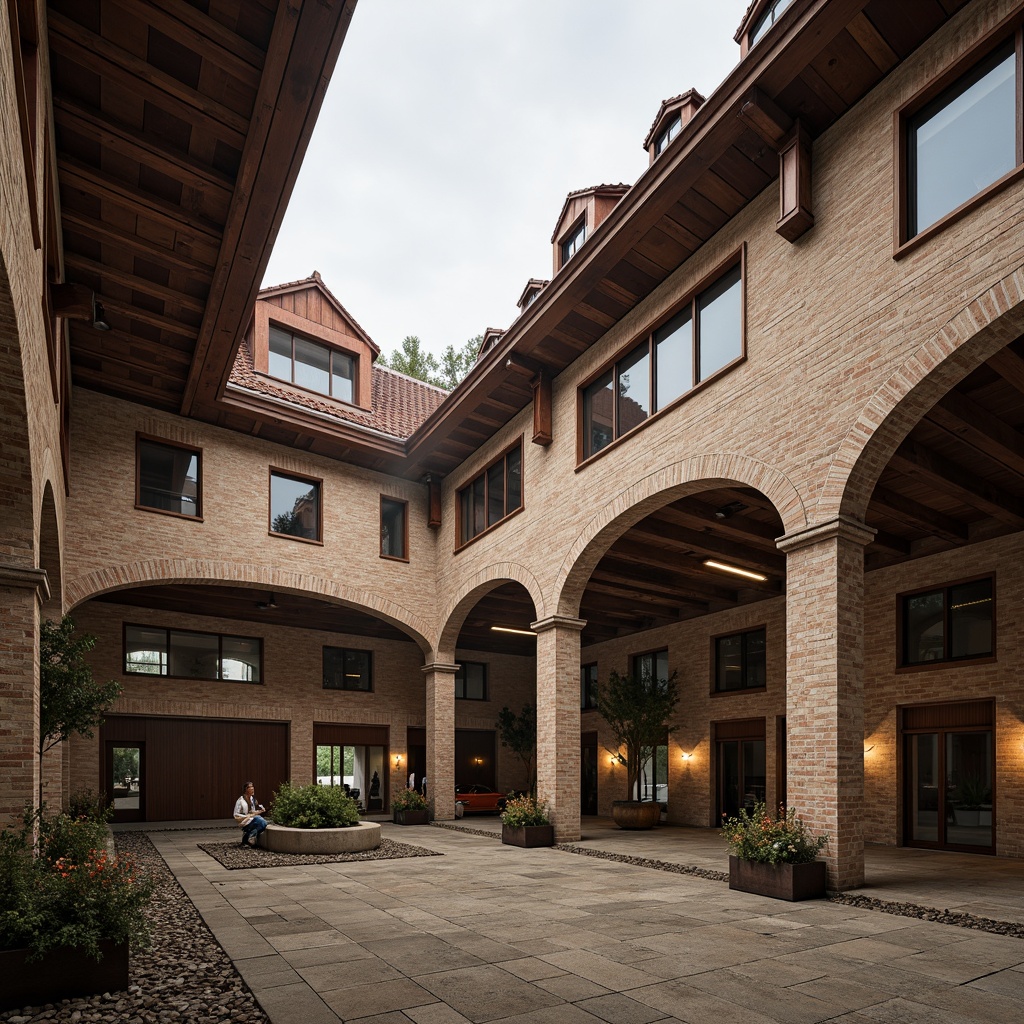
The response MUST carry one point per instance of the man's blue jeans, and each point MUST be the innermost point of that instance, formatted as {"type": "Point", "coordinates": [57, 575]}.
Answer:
{"type": "Point", "coordinates": [255, 827]}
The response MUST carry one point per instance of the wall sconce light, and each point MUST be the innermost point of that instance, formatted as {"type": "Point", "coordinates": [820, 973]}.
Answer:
{"type": "Point", "coordinates": [686, 755]}
{"type": "Point", "coordinates": [867, 750]}
{"type": "Point", "coordinates": [614, 759]}
{"type": "Point", "coordinates": [398, 760]}
{"type": "Point", "coordinates": [478, 760]}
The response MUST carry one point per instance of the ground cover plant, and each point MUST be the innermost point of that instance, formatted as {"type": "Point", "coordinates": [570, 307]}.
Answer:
{"type": "Point", "coordinates": [313, 806]}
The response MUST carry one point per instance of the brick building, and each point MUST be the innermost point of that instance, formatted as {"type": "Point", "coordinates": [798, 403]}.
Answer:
{"type": "Point", "coordinates": [762, 427]}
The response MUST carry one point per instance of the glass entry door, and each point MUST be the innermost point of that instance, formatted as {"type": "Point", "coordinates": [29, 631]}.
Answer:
{"type": "Point", "coordinates": [741, 775]}
{"type": "Point", "coordinates": [126, 779]}
{"type": "Point", "coordinates": [358, 768]}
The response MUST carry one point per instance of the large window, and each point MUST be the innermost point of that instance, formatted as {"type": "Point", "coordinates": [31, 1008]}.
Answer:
{"type": "Point", "coordinates": [168, 478]}
{"type": "Point", "coordinates": [294, 506]}
{"type": "Point", "coordinates": [771, 15]}
{"type": "Point", "coordinates": [961, 141]}
{"type": "Point", "coordinates": [496, 493]}
{"type": "Point", "coordinates": [471, 681]}
{"type": "Point", "coordinates": [183, 654]}
{"type": "Point", "coordinates": [311, 365]}
{"type": "Point", "coordinates": [651, 666]}
{"type": "Point", "coordinates": [347, 669]}
{"type": "Point", "coordinates": [697, 342]}
{"type": "Point", "coordinates": [740, 661]}
{"type": "Point", "coordinates": [949, 624]}
{"type": "Point", "coordinates": [588, 686]}
{"type": "Point", "coordinates": [394, 529]}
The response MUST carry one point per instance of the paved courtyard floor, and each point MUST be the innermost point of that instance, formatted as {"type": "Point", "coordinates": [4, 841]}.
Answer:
{"type": "Point", "coordinates": [494, 933]}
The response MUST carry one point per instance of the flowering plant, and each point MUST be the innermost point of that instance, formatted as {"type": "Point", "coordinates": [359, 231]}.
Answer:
{"type": "Point", "coordinates": [408, 800]}
{"type": "Point", "coordinates": [524, 810]}
{"type": "Point", "coordinates": [783, 839]}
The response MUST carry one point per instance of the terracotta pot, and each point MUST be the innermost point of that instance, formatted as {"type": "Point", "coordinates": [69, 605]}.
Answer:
{"type": "Point", "coordinates": [63, 973]}
{"type": "Point", "coordinates": [779, 881]}
{"type": "Point", "coordinates": [412, 817]}
{"type": "Point", "coordinates": [528, 836]}
{"type": "Point", "coordinates": [636, 814]}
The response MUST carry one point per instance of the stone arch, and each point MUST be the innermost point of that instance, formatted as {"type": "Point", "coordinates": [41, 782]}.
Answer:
{"type": "Point", "coordinates": [481, 584]}
{"type": "Point", "coordinates": [192, 570]}
{"type": "Point", "coordinates": [713, 469]}
{"type": "Point", "coordinates": [984, 326]}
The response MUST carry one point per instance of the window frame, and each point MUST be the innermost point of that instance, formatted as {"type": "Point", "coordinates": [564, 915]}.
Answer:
{"type": "Point", "coordinates": [288, 474]}
{"type": "Point", "coordinates": [575, 234]}
{"type": "Point", "coordinates": [1011, 28]}
{"type": "Point", "coordinates": [461, 544]}
{"type": "Point", "coordinates": [634, 660]}
{"type": "Point", "coordinates": [743, 634]}
{"type": "Point", "coordinates": [588, 687]}
{"type": "Point", "coordinates": [667, 135]}
{"type": "Point", "coordinates": [388, 500]}
{"type": "Point", "coordinates": [766, 21]}
{"type": "Point", "coordinates": [331, 351]}
{"type": "Point", "coordinates": [125, 626]}
{"type": "Point", "coordinates": [346, 651]}
{"type": "Point", "coordinates": [737, 258]}
{"type": "Point", "coordinates": [486, 682]}
{"type": "Point", "coordinates": [902, 665]}
{"type": "Point", "coordinates": [140, 439]}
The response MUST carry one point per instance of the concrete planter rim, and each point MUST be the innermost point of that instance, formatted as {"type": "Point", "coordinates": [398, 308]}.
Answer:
{"type": "Point", "coordinates": [364, 835]}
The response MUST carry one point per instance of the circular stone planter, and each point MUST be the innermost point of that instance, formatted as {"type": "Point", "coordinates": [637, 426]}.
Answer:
{"type": "Point", "coordinates": [354, 839]}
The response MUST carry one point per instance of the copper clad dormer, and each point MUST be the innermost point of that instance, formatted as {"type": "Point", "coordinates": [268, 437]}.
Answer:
{"type": "Point", "coordinates": [672, 115]}
{"type": "Point", "coordinates": [582, 212]}
{"type": "Point", "coordinates": [533, 288]}
{"type": "Point", "coordinates": [760, 16]}
{"type": "Point", "coordinates": [490, 338]}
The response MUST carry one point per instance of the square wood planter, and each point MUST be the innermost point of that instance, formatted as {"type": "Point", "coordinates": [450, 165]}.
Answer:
{"type": "Point", "coordinates": [528, 836]}
{"type": "Point", "coordinates": [63, 973]}
{"type": "Point", "coordinates": [412, 817]}
{"type": "Point", "coordinates": [779, 881]}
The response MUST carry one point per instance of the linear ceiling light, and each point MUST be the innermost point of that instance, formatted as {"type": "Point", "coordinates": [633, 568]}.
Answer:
{"type": "Point", "coordinates": [509, 629]}
{"type": "Point", "coordinates": [735, 569]}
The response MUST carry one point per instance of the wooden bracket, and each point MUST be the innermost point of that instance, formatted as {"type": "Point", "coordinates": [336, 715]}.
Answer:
{"type": "Point", "coordinates": [433, 500]}
{"type": "Point", "coordinates": [541, 384]}
{"type": "Point", "coordinates": [795, 214]}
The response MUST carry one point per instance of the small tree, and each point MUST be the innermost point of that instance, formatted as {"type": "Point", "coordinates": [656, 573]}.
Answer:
{"type": "Point", "coordinates": [70, 701]}
{"type": "Point", "coordinates": [519, 734]}
{"type": "Point", "coordinates": [638, 709]}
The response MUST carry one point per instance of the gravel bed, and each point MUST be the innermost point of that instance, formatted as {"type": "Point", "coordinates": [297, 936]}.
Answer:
{"type": "Point", "coordinates": [183, 977]}
{"type": "Point", "coordinates": [465, 828]}
{"type": "Point", "coordinates": [645, 862]}
{"type": "Point", "coordinates": [234, 856]}
{"type": "Point", "coordinates": [954, 917]}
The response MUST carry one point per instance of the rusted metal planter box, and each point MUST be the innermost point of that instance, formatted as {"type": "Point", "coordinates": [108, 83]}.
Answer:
{"type": "Point", "coordinates": [412, 817]}
{"type": "Point", "coordinates": [528, 836]}
{"type": "Point", "coordinates": [63, 973]}
{"type": "Point", "coordinates": [779, 881]}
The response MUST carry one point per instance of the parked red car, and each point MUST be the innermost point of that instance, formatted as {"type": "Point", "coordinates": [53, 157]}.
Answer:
{"type": "Point", "coordinates": [480, 798]}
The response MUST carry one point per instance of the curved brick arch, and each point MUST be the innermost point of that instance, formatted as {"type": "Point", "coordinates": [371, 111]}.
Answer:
{"type": "Point", "coordinates": [714, 469]}
{"type": "Point", "coordinates": [481, 584]}
{"type": "Point", "coordinates": [984, 326]}
{"type": "Point", "coordinates": [190, 570]}
{"type": "Point", "coordinates": [49, 548]}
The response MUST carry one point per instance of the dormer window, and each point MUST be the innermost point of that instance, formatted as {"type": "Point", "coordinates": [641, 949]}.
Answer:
{"type": "Point", "coordinates": [572, 242]}
{"type": "Point", "coordinates": [675, 126]}
{"type": "Point", "coordinates": [311, 365]}
{"type": "Point", "coordinates": [771, 14]}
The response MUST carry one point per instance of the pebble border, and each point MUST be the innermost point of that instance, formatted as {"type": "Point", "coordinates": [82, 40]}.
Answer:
{"type": "Point", "coordinates": [235, 857]}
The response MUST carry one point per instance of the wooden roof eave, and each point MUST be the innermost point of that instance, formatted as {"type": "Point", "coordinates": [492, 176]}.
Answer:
{"type": "Point", "coordinates": [304, 48]}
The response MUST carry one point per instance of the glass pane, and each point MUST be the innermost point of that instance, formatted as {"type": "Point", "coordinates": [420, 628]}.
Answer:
{"type": "Point", "coordinates": [729, 662]}
{"type": "Point", "coordinates": [496, 493]}
{"type": "Point", "coordinates": [392, 528]}
{"type": "Point", "coordinates": [661, 774]}
{"type": "Point", "coordinates": [294, 507]}
{"type": "Point", "coordinates": [334, 668]}
{"type": "Point", "coordinates": [325, 761]}
{"type": "Point", "coordinates": [168, 478]}
{"type": "Point", "coordinates": [754, 773]}
{"type": "Point", "coordinates": [357, 670]}
{"type": "Point", "coordinates": [597, 415]}
{"type": "Point", "coordinates": [479, 507]}
{"type": "Point", "coordinates": [145, 650]}
{"type": "Point", "coordinates": [673, 354]}
{"type": "Point", "coordinates": [127, 778]}
{"type": "Point", "coordinates": [755, 671]}
{"type": "Point", "coordinates": [719, 318]}
{"type": "Point", "coordinates": [923, 783]}
{"type": "Point", "coordinates": [729, 774]}
{"type": "Point", "coordinates": [240, 659]}
{"type": "Point", "coordinates": [634, 390]}
{"type": "Point", "coordinates": [924, 628]}
{"type": "Point", "coordinates": [471, 681]}
{"type": "Point", "coordinates": [280, 360]}
{"type": "Point", "coordinates": [312, 364]}
{"type": "Point", "coordinates": [466, 515]}
{"type": "Point", "coordinates": [193, 655]}
{"type": "Point", "coordinates": [342, 376]}
{"type": "Point", "coordinates": [969, 771]}
{"type": "Point", "coordinates": [964, 141]}
{"type": "Point", "coordinates": [514, 480]}
{"type": "Point", "coordinates": [970, 615]}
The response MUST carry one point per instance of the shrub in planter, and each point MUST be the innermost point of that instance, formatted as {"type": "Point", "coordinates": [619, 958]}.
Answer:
{"type": "Point", "coordinates": [525, 822]}
{"type": "Point", "coordinates": [313, 806]}
{"type": "Point", "coordinates": [408, 800]}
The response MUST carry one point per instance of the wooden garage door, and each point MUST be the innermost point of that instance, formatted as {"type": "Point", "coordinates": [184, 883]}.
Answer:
{"type": "Point", "coordinates": [195, 767]}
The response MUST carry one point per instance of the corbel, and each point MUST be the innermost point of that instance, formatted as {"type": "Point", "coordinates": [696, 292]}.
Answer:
{"type": "Point", "coordinates": [433, 483]}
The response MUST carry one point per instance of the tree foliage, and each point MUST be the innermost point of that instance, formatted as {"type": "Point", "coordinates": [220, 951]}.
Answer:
{"type": "Point", "coordinates": [637, 709]}
{"type": "Point", "coordinates": [446, 372]}
{"type": "Point", "coordinates": [518, 732]}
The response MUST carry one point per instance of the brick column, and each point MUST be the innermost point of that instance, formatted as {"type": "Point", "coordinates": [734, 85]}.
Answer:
{"type": "Point", "coordinates": [558, 721]}
{"type": "Point", "coordinates": [441, 739]}
{"type": "Point", "coordinates": [20, 593]}
{"type": "Point", "coordinates": [825, 688]}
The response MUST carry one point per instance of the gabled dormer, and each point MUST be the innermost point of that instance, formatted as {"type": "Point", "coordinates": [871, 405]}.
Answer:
{"type": "Point", "coordinates": [760, 17]}
{"type": "Point", "coordinates": [582, 212]}
{"type": "Point", "coordinates": [491, 338]}
{"type": "Point", "coordinates": [533, 288]}
{"type": "Point", "coordinates": [672, 115]}
{"type": "Point", "coordinates": [303, 337]}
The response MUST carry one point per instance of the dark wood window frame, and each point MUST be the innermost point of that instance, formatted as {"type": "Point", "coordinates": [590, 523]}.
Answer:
{"type": "Point", "coordinates": [667, 134]}
{"type": "Point", "coordinates": [588, 687]}
{"type": "Point", "coordinates": [903, 243]}
{"type": "Point", "coordinates": [331, 351]}
{"type": "Point", "coordinates": [461, 543]}
{"type": "Point", "coordinates": [140, 438]}
{"type": "Point", "coordinates": [654, 651]}
{"type": "Point", "coordinates": [571, 236]}
{"type": "Point", "coordinates": [737, 258]}
{"type": "Point", "coordinates": [902, 665]}
{"type": "Point", "coordinates": [404, 556]}
{"type": "Point", "coordinates": [462, 671]}
{"type": "Point", "coordinates": [289, 475]}
{"type": "Point", "coordinates": [168, 630]}
{"type": "Point", "coordinates": [765, 21]}
{"type": "Point", "coordinates": [346, 651]}
{"type": "Point", "coordinates": [743, 634]}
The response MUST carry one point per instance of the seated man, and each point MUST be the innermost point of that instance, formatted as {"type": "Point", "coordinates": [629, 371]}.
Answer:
{"type": "Point", "coordinates": [248, 811]}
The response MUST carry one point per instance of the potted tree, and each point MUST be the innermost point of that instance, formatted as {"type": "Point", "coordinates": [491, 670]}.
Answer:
{"type": "Point", "coordinates": [409, 807]}
{"type": "Point", "coordinates": [638, 709]}
{"type": "Point", "coordinates": [524, 822]}
{"type": "Point", "coordinates": [774, 856]}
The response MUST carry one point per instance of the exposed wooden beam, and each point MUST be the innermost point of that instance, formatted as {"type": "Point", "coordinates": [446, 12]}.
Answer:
{"type": "Point", "coordinates": [1009, 366]}
{"type": "Point", "coordinates": [918, 516]}
{"type": "Point", "coordinates": [121, 277]}
{"type": "Point", "coordinates": [167, 324]}
{"type": "Point", "coordinates": [761, 113]}
{"type": "Point", "coordinates": [973, 424]}
{"type": "Point", "coordinates": [679, 538]}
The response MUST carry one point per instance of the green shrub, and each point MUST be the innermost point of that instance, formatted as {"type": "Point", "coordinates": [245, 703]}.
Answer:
{"type": "Point", "coordinates": [524, 810]}
{"type": "Point", "coordinates": [408, 800]}
{"type": "Point", "coordinates": [758, 836]}
{"type": "Point", "coordinates": [313, 806]}
{"type": "Point", "coordinates": [63, 836]}
{"type": "Point", "coordinates": [87, 804]}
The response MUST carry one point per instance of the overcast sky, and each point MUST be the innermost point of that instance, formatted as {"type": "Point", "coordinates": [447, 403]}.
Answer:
{"type": "Point", "coordinates": [452, 132]}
